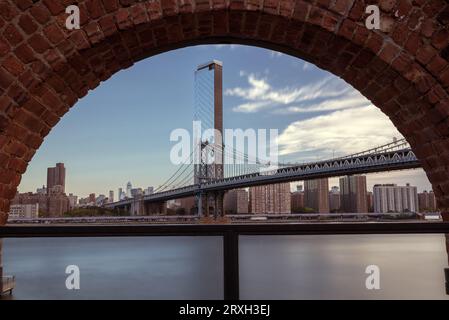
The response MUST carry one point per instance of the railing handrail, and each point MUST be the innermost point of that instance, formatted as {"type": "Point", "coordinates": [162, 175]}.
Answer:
{"type": "Point", "coordinates": [11, 231]}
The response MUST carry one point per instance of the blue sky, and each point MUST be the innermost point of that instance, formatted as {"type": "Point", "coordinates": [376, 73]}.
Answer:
{"type": "Point", "coordinates": [120, 131]}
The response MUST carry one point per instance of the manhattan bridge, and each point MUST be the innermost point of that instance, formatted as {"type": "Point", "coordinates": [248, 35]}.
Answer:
{"type": "Point", "coordinates": [214, 167]}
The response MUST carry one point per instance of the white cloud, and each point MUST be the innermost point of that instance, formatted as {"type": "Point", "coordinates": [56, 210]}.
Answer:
{"type": "Point", "coordinates": [307, 66]}
{"type": "Point", "coordinates": [221, 46]}
{"type": "Point", "coordinates": [275, 54]}
{"type": "Point", "coordinates": [343, 132]}
{"type": "Point", "coordinates": [251, 107]}
{"type": "Point", "coordinates": [352, 100]}
{"type": "Point", "coordinates": [260, 90]}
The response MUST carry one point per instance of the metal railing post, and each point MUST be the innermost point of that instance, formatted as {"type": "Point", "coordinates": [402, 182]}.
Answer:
{"type": "Point", "coordinates": [231, 265]}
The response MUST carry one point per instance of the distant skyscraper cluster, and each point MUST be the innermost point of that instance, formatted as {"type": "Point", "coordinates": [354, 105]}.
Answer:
{"type": "Point", "coordinates": [352, 197]}
{"type": "Point", "coordinates": [49, 200]}
{"type": "Point", "coordinates": [133, 192]}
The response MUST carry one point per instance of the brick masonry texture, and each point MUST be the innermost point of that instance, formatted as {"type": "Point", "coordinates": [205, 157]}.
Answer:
{"type": "Point", "coordinates": [45, 68]}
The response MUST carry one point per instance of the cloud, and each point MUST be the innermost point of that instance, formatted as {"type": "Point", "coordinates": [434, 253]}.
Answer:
{"type": "Point", "coordinates": [228, 46]}
{"type": "Point", "coordinates": [275, 54]}
{"type": "Point", "coordinates": [251, 107]}
{"type": "Point", "coordinates": [340, 132]}
{"type": "Point", "coordinates": [352, 100]}
{"type": "Point", "coordinates": [307, 66]}
{"type": "Point", "coordinates": [260, 91]}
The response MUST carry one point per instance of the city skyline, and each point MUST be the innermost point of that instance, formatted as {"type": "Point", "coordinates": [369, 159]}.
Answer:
{"type": "Point", "coordinates": [119, 147]}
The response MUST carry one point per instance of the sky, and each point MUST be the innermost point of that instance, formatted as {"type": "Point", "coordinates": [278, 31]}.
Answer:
{"type": "Point", "coordinates": [120, 131]}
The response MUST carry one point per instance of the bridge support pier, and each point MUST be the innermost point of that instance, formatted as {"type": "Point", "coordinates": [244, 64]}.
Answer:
{"type": "Point", "coordinates": [210, 202]}
{"type": "Point", "coordinates": [137, 207]}
{"type": "Point", "coordinates": [219, 206]}
{"type": "Point", "coordinates": [154, 208]}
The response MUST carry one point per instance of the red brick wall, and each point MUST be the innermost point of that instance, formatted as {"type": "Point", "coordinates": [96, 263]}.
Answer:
{"type": "Point", "coordinates": [45, 68]}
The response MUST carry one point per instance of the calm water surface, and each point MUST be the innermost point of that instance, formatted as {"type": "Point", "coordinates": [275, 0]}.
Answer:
{"type": "Point", "coordinates": [271, 267]}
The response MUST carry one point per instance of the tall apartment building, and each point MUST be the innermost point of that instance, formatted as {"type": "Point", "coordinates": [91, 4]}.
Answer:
{"type": "Point", "coordinates": [297, 201]}
{"type": "Point", "coordinates": [56, 177]}
{"type": "Point", "coordinates": [316, 195]}
{"type": "Point", "coordinates": [236, 201]}
{"type": "Point", "coordinates": [353, 194]}
{"type": "Point", "coordinates": [370, 201]}
{"type": "Point", "coordinates": [393, 198]}
{"type": "Point", "coordinates": [334, 199]}
{"type": "Point", "coordinates": [270, 199]}
{"type": "Point", "coordinates": [57, 204]}
{"type": "Point", "coordinates": [427, 201]}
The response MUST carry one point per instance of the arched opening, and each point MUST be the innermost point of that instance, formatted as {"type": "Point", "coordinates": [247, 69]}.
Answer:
{"type": "Point", "coordinates": [402, 68]}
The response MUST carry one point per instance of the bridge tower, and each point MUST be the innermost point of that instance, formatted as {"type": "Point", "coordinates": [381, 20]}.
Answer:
{"type": "Point", "coordinates": [208, 135]}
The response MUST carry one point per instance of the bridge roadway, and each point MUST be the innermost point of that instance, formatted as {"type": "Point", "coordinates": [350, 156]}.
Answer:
{"type": "Point", "coordinates": [356, 164]}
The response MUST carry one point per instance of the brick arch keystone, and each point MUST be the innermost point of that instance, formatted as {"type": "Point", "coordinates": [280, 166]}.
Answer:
{"type": "Point", "coordinates": [45, 68]}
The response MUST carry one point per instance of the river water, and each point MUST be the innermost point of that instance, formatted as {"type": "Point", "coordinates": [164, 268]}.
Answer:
{"type": "Point", "coordinates": [271, 267]}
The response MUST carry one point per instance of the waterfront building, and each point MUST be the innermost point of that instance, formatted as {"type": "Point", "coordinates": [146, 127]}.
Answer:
{"type": "Point", "coordinates": [56, 177]}
{"type": "Point", "coordinates": [316, 195]}
{"type": "Point", "coordinates": [389, 198]}
{"type": "Point", "coordinates": [236, 201]}
{"type": "Point", "coordinates": [353, 194]}
{"type": "Point", "coordinates": [270, 199]}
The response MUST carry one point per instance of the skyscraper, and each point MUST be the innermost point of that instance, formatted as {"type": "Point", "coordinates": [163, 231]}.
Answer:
{"type": "Point", "coordinates": [111, 196]}
{"type": "Point", "coordinates": [334, 199]}
{"type": "Point", "coordinates": [370, 201]}
{"type": "Point", "coordinates": [236, 201]}
{"type": "Point", "coordinates": [56, 177]}
{"type": "Point", "coordinates": [353, 194]}
{"type": "Point", "coordinates": [272, 198]}
{"type": "Point", "coordinates": [393, 198]}
{"type": "Point", "coordinates": [209, 111]}
{"type": "Point", "coordinates": [316, 195]}
{"type": "Point", "coordinates": [297, 200]}
{"type": "Point", "coordinates": [129, 187]}
{"type": "Point", "coordinates": [427, 201]}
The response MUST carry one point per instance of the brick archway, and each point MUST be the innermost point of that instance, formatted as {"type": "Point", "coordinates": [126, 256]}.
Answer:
{"type": "Point", "coordinates": [402, 68]}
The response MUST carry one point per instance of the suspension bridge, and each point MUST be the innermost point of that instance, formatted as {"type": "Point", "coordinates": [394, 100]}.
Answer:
{"type": "Point", "coordinates": [231, 169]}
{"type": "Point", "coordinates": [392, 156]}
